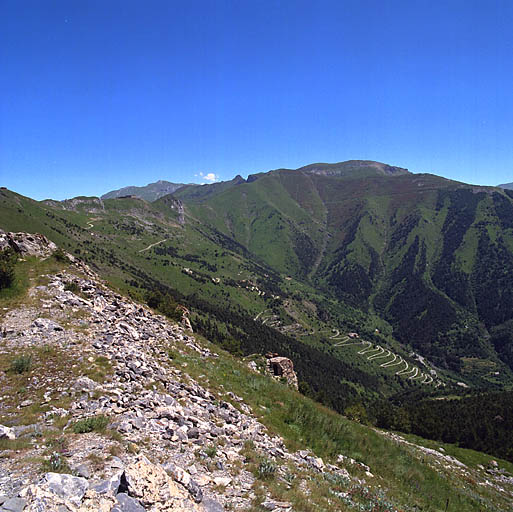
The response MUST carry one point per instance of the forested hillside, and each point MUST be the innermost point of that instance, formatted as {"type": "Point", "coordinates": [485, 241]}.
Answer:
{"type": "Point", "coordinates": [418, 250]}
{"type": "Point", "coordinates": [416, 268]}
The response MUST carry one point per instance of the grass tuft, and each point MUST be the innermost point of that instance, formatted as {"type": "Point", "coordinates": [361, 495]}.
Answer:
{"type": "Point", "coordinates": [73, 287]}
{"type": "Point", "coordinates": [21, 364]}
{"type": "Point", "coordinates": [93, 424]}
{"type": "Point", "coordinates": [56, 464]}
{"type": "Point", "coordinates": [266, 470]}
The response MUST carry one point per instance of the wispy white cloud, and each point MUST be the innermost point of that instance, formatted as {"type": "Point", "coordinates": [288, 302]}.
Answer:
{"type": "Point", "coordinates": [212, 177]}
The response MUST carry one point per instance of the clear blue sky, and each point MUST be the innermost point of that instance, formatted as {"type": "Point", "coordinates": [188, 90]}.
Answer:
{"type": "Point", "coordinates": [99, 94]}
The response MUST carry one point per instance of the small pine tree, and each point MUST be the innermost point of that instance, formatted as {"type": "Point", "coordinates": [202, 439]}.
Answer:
{"type": "Point", "coordinates": [7, 264]}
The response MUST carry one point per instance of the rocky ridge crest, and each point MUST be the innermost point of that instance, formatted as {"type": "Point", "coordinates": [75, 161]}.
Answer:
{"type": "Point", "coordinates": [160, 413]}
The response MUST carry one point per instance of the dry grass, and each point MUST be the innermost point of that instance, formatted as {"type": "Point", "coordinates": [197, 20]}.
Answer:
{"type": "Point", "coordinates": [49, 370]}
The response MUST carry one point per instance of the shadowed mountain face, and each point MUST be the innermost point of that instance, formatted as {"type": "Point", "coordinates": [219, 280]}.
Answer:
{"type": "Point", "coordinates": [357, 245]}
{"type": "Point", "coordinates": [431, 256]}
{"type": "Point", "coordinates": [508, 186]}
{"type": "Point", "coordinates": [150, 192]}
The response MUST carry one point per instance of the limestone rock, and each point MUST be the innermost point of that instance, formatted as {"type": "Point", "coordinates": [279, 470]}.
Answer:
{"type": "Point", "coordinates": [93, 502]}
{"type": "Point", "coordinates": [71, 488]}
{"type": "Point", "coordinates": [110, 486]}
{"type": "Point", "coordinates": [46, 323]}
{"type": "Point", "coordinates": [186, 323]}
{"type": "Point", "coordinates": [13, 505]}
{"type": "Point", "coordinates": [7, 433]}
{"type": "Point", "coordinates": [25, 243]}
{"type": "Point", "coordinates": [178, 474]}
{"type": "Point", "coordinates": [127, 504]}
{"type": "Point", "coordinates": [210, 505]}
{"type": "Point", "coordinates": [85, 384]}
{"type": "Point", "coordinates": [223, 481]}
{"type": "Point", "coordinates": [151, 485]}
{"type": "Point", "coordinates": [183, 477]}
{"type": "Point", "coordinates": [276, 505]}
{"type": "Point", "coordinates": [41, 499]}
{"type": "Point", "coordinates": [82, 471]}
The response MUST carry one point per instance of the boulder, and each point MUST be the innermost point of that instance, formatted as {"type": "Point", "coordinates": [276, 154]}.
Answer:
{"type": "Point", "coordinates": [71, 488]}
{"type": "Point", "coordinates": [94, 502]}
{"type": "Point", "coordinates": [25, 243]}
{"type": "Point", "coordinates": [193, 433]}
{"type": "Point", "coordinates": [14, 505]}
{"type": "Point", "coordinates": [83, 471]}
{"type": "Point", "coordinates": [124, 327]}
{"type": "Point", "coordinates": [210, 505]}
{"type": "Point", "coordinates": [177, 473]}
{"type": "Point", "coordinates": [151, 485]}
{"type": "Point", "coordinates": [7, 433]}
{"type": "Point", "coordinates": [223, 481]}
{"type": "Point", "coordinates": [183, 477]}
{"type": "Point", "coordinates": [186, 323]}
{"type": "Point", "coordinates": [127, 504]}
{"type": "Point", "coordinates": [110, 486]}
{"type": "Point", "coordinates": [85, 384]}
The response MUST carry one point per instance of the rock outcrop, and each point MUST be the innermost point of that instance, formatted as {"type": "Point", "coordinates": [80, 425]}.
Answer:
{"type": "Point", "coordinates": [27, 244]}
{"type": "Point", "coordinates": [282, 368]}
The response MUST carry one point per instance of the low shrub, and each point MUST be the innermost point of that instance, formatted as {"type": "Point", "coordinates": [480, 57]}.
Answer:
{"type": "Point", "coordinates": [73, 287]}
{"type": "Point", "coordinates": [93, 424]}
{"type": "Point", "coordinates": [211, 450]}
{"type": "Point", "coordinates": [60, 256]}
{"type": "Point", "coordinates": [7, 263]}
{"type": "Point", "coordinates": [56, 464]}
{"type": "Point", "coordinates": [21, 364]}
{"type": "Point", "coordinates": [266, 470]}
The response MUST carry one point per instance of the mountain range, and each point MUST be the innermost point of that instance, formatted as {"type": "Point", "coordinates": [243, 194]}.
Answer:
{"type": "Point", "coordinates": [417, 266]}
{"type": "Point", "coordinates": [160, 188]}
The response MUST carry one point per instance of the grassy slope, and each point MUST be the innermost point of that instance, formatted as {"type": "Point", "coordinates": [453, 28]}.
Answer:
{"type": "Point", "coordinates": [313, 228]}
{"type": "Point", "coordinates": [403, 477]}
{"type": "Point", "coordinates": [376, 232]}
{"type": "Point", "coordinates": [409, 478]}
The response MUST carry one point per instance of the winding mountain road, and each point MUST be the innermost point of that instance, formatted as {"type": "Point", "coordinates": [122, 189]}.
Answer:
{"type": "Point", "coordinates": [153, 245]}
{"type": "Point", "coordinates": [371, 351]}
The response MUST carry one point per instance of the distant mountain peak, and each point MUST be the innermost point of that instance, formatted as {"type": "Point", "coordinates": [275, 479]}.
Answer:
{"type": "Point", "coordinates": [354, 166]}
{"type": "Point", "coordinates": [150, 192]}
{"type": "Point", "coordinates": [238, 179]}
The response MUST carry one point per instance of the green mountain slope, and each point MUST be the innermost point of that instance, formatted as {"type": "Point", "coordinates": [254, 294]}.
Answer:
{"type": "Point", "coordinates": [418, 250]}
{"type": "Point", "coordinates": [299, 452]}
{"type": "Point", "coordinates": [293, 260]}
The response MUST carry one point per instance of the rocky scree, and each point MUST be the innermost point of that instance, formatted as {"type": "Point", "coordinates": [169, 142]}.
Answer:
{"type": "Point", "coordinates": [157, 451]}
